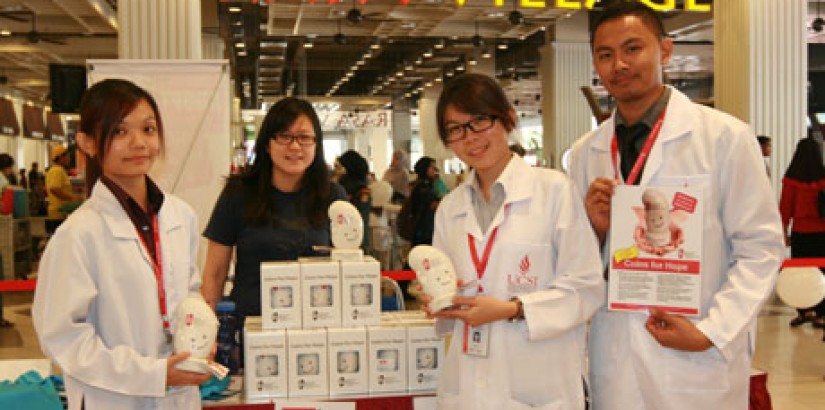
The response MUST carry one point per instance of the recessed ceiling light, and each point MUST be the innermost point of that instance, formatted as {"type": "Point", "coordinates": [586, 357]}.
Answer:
{"type": "Point", "coordinates": [234, 9]}
{"type": "Point", "coordinates": [240, 45]}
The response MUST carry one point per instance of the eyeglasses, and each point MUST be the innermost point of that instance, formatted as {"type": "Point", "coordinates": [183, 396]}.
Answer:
{"type": "Point", "coordinates": [285, 138]}
{"type": "Point", "coordinates": [479, 123]}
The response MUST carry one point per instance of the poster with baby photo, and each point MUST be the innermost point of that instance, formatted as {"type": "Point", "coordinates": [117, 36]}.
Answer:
{"type": "Point", "coordinates": [655, 249]}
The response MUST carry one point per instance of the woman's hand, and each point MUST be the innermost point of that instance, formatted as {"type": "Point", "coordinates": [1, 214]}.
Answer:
{"type": "Point", "coordinates": [177, 377]}
{"type": "Point", "coordinates": [479, 310]}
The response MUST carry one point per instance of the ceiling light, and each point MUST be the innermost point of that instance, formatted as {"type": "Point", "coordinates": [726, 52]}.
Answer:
{"type": "Point", "coordinates": [400, 73]}
{"type": "Point", "coordinates": [360, 62]}
{"type": "Point", "coordinates": [234, 9]}
{"type": "Point", "coordinates": [438, 79]}
{"type": "Point", "coordinates": [440, 44]}
{"type": "Point", "coordinates": [502, 46]}
{"type": "Point", "coordinates": [450, 73]}
{"type": "Point", "coordinates": [308, 44]}
{"type": "Point", "coordinates": [472, 61]}
{"type": "Point", "coordinates": [486, 53]}
{"type": "Point", "coordinates": [428, 53]}
{"type": "Point", "coordinates": [240, 45]}
{"type": "Point", "coordinates": [375, 44]}
{"type": "Point", "coordinates": [460, 67]}
{"type": "Point", "coordinates": [419, 61]}
{"type": "Point", "coordinates": [408, 66]}
{"type": "Point", "coordinates": [241, 53]}
{"type": "Point", "coordinates": [5, 33]}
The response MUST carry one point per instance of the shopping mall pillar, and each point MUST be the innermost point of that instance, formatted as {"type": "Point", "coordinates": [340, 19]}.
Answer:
{"type": "Point", "coordinates": [159, 29]}
{"type": "Point", "coordinates": [566, 66]}
{"type": "Point", "coordinates": [760, 70]}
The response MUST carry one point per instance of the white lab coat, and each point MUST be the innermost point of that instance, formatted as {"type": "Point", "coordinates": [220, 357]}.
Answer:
{"type": "Point", "coordinates": [742, 251]}
{"type": "Point", "coordinates": [545, 254]}
{"type": "Point", "coordinates": [96, 309]}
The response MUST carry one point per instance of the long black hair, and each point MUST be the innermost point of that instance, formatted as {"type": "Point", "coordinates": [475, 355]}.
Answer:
{"type": "Point", "coordinates": [806, 164]}
{"type": "Point", "coordinates": [257, 181]}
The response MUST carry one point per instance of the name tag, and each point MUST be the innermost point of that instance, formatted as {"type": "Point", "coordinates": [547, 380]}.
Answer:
{"type": "Point", "coordinates": [476, 340]}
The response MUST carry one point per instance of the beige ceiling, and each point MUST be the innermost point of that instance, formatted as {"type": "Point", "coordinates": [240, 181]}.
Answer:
{"type": "Point", "coordinates": [88, 29]}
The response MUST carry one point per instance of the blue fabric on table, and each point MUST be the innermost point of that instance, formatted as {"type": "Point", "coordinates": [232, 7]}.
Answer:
{"type": "Point", "coordinates": [29, 392]}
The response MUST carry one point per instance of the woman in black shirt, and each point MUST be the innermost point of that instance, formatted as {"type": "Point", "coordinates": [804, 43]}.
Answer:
{"type": "Point", "coordinates": [277, 211]}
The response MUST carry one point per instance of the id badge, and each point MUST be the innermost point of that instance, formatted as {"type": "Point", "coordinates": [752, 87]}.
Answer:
{"type": "Point", "coordinates": [476, 340]}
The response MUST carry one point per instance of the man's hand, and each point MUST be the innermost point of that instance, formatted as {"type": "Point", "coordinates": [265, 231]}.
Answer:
{"type": "Point", "coordinates": [597, 204]}
{"type": "Point", "coordinates": [177, 377]}
{"type": "Point", "coordinates": [676, 332]}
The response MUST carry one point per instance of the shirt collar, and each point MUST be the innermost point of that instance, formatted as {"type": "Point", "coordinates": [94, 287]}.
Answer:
{"type": "Point", "coordinates": [153, 193]}
{"type": "Point", "coordinates": [651, 115]}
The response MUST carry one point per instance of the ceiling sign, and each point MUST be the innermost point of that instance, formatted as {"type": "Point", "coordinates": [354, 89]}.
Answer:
{"type": "Point", "coordinates": [658, 5]}
{"type": "Point", "coordinates": [349, 120]}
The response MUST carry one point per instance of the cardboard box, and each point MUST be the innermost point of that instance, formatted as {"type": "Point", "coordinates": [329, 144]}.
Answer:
{"type": "Point", "coordinates": [265, 357]}
{"type": "Point", "coordinates": [307, 350]}
{"type": "Point", "coordinates": [281, 295]}
{"type": "Point", "coordinates": [321, 288]}
{"type": "Point", "coordinates": [387, 359]}
{"type": "Point", "coordinates": [348, 365]}
{"type": "Point", "coordinates": [425, 351]}
{"type": "Point", "coordinates": [361, 292]}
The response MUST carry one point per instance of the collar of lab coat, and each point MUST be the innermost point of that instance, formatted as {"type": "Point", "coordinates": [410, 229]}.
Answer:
{"type": "Point", "coordinates": [677, 124]}
{"type": "Point", "coordinates": [118, 221]}
{"type": "Point", "coordinates": [514, 181]}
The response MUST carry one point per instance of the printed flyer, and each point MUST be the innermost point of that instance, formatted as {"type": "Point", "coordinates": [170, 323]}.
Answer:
{"type": "Point", "coordinates": [656, 249]}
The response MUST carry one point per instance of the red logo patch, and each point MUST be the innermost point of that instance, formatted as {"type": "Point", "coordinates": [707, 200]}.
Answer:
{"type": "Point", "coordinates": [524, 266]}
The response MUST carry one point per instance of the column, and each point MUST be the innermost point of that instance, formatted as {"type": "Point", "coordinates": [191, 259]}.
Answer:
{"type": "Point", "coordinates": [159, 29]}
{"type": "Point", "coordinates": [566, 66]}
{"type": "Point", "coordinates": [760, 70]}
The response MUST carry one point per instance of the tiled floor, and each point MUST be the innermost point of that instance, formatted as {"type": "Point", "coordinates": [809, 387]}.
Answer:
{"type": "Point", "coordinates": [793, 358]}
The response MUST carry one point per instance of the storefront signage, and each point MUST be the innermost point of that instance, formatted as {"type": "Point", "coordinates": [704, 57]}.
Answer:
{"type": "Point", "coordinates": [348, 120]}
{"type": "Point", "coordinates": [659, 5]}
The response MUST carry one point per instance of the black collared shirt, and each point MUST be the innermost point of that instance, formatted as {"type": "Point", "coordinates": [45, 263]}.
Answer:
{"type": "Point", "coordinates": [631, 138]}
{"type": "Point", "coordinates": [140, 219]}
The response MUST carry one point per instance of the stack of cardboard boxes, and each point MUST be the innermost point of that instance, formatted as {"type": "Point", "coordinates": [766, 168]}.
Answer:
{"type": "Point", "coordinates": [322, 333]}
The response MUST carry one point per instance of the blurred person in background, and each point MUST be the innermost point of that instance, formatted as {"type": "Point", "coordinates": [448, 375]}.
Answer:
{"type": "Point", "coordinates": [355, 182]}
{"type": "Point", "coordinates": [398, 175]}
{"type": "Point", "coordinates": [804, 180]}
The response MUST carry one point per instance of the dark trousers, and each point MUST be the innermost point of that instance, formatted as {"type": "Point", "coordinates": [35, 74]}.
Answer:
{"type": "Point", "coordinates": [809, 245]}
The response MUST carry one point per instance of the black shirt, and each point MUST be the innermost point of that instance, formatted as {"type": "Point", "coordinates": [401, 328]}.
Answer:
{"type": "Point", "coordinates": [261, 243]}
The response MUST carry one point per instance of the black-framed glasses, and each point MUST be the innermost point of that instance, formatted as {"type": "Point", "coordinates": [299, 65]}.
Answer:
{"type": "Point", "coordinates": [285, 138]}
{"type": "Point", "coordinates": [479, 123]}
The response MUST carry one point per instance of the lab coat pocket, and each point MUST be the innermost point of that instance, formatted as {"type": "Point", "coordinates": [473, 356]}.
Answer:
{"type": "Point", "coordinates": [524, 267]}
{"type": "Point", "coordinates": [696, 371]}
{"type": "Point", "coordinates": [534, 369]}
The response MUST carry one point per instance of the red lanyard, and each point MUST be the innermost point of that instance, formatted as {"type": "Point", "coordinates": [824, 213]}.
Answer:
{"type": "Point", "coordinates": [157, 266]}
{"type": "Point", "coordinates": [640, 160]}
{"type": "Point", "coordinates": [481, 265]}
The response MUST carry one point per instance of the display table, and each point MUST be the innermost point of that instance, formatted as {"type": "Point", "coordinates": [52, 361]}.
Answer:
{"type": "Point", "coordinates": [363, 403]}
{"type": "Point", "coordinates": [388, 401]}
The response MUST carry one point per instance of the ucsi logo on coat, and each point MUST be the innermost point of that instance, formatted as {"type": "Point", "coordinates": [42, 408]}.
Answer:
{"type": "Point", "coordinates": [522, 281]}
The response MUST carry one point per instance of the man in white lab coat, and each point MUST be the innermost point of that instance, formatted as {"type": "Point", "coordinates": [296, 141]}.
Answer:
{"type": "Point", "coordinates": [657, 360]}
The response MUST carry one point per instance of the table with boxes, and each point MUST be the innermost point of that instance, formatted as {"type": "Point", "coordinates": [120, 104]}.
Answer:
{"type": "Point", "coordinates": [322, 334]}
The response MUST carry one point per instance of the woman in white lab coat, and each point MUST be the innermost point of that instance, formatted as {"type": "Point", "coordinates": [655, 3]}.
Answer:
{"type": "Point", "coordinates": [542, 282]}
{"type": "Point", "coordinates": [119, 261]}
{"type": "Point", "coordinates": [741, 253]}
